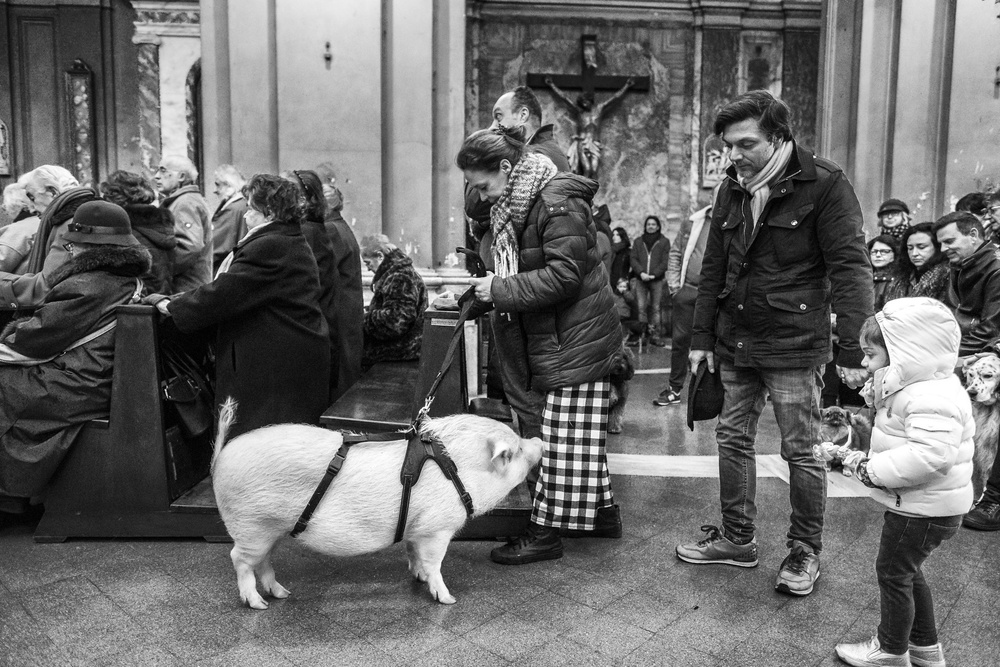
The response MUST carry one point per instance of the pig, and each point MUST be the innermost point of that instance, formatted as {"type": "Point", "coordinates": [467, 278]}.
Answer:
{"type": "Point", "coordinates": [264, 479]}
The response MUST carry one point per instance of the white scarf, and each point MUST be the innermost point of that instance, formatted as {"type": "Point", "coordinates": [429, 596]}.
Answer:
{"type": "Point", "coordinates": [759, 185]}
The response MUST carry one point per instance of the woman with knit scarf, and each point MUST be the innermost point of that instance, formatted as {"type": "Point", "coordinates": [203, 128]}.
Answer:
{"type": "Point", "coordinates": [920, 269]}
{"type": "Point", "coordinates": [548, 269]}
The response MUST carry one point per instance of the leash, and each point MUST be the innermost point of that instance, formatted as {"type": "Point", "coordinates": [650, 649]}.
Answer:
{"type": "Point", "coordinates": [420, 447]}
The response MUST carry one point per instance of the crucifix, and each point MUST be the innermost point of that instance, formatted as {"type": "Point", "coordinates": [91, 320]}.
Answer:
{"type": "Point", "coordinates": [585, 153]}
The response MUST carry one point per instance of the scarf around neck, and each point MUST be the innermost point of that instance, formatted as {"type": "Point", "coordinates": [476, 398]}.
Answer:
{"type": "Point", "coordinates": [759, 185]}
{"type": "Point", "coordinates": [532, 173]}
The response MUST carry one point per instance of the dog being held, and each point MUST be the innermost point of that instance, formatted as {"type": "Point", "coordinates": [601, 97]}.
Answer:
{"type": "Point", "coordinates": [844, 428]}
{"type": "Point", "coordinates": [981, 379]}
{"type": "Point", "coordinates": [621, 373]}
{"type": "Point", "coordinates": [264, 479]}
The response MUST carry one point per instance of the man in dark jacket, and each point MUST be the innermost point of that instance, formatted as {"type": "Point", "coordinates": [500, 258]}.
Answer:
{"type": "Point", "coordinates": [650, 254]}
{"type": "Point", "coordinates": [975, 279]}
{"type": "Point", "coordinates": [394, 323]}
{"type": "Point", "coordinates": [518, 108]}
{"type": "Point", "coordinates": [228, 225]}
{"type": "Point", "coordinates": [345, 366]}
{"type": "Point", "coordinates": [785, 241]}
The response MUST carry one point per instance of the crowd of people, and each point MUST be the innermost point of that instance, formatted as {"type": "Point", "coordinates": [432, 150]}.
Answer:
{"type": "Point", "coordinates": [774, 290]}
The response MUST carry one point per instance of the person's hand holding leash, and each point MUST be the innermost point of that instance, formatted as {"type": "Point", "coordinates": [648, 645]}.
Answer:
{"type": "Point", "coordinates": [484, 287]}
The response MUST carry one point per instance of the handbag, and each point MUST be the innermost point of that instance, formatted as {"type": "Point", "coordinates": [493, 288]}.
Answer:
{"type": "Point", "coordinates": [187, 388]}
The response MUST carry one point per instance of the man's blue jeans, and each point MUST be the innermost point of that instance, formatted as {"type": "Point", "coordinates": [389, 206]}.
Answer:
{"type": "Point", "coordinates": [795, 395]}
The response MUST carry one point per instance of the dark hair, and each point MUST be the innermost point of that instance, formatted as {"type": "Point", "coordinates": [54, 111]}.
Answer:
{"type": "Point", "coordinates": [904, 265]}
{"type": "Point", "coordinates": [523, 97]}
{"type": "Point", "coordinates": [622, 233]}
{"type": "Point", "coordinates": [887, 240]}
{"type": "Point", "coordinates": [311, 193]}
{"type": "Point", "coordinates": [964, 220]}
{"type": "Point", "coordinates": [483, 150]}
{"type": "Point", "coordinates": [654, 219]}
{"type": "Point", "coordinates": [275, 197]}
{"type": "Point", "coordinates": [974, 202]}
{"type": "Point", "coordinates": [770, 113]}
{"type": "Point", "coordinates": [871, 333]}
{"type": "Point", "coordinates": [127, 188]}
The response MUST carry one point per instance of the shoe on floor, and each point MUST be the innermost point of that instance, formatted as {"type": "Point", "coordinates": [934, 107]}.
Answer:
{"type": "Point", "coordinates": [608, 523]}
{"type": "Point", "coordinates": [667, 397]}
{"type": "Point", "coordinates": [798, 572]}
{"type": "Point", "coordinates": [538, 543]}
{"type": "Point", "coordinates": [984, 516]}
{"type": "Point", "coordinates": [717, 548]}
{"type": "Point", "coordinates": [927, 656]}
{"type": "Point", "coordinates": [870, 654]}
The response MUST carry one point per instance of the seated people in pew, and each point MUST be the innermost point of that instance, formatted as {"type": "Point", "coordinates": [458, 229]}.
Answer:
{"type": "Point", "coordinates": [56, 366]}
{"type": "Point", "coordinates": [56, 196]}
{"type": "Point", "coordinates": [152, 226]}
{"type": "Point", "coordinates": [394, 323]}
{"type": "Point", "coordinates": [17, 238]}
{"type": "Point", "coordinates": [272, 345]}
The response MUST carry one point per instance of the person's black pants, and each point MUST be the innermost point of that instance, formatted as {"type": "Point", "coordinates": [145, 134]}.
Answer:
{"type": "Point", "coordinates": [680, 339]}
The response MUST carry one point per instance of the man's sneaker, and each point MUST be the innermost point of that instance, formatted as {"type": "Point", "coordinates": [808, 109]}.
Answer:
{"type": "Point", "coordinates": [717, 548]}
{"type": "Point", "coordinates": [798, 572]}
{"type": "Point", "coordinates": [984, 516]}
{"type": "Point", "coordinates": [927, 656]}
{"type": "Point", "coordinates": [870, 654]}
{"type": "Point", "coordinates": [667, 397]}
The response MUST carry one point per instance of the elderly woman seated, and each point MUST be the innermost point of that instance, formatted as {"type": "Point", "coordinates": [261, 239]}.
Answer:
{"type": "Point", "coordinates": [56, 366]}
{"type": "Point", "coordinates": [393, 325]}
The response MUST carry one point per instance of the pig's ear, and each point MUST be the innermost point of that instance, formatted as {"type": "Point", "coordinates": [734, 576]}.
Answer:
{"type": "Point", "coordinates": [501, 452]}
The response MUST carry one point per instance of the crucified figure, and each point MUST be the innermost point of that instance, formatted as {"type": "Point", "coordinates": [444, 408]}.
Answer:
{"type": "Point", "coordinates": [585, 153]}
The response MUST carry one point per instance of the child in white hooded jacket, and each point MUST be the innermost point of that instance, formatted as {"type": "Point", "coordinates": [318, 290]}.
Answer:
{"type": "Point", "coordinates": [920, 467]}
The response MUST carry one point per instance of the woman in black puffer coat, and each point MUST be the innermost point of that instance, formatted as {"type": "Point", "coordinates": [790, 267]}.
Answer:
{"type": "Point", "coordinates": [152, 226]}
{"type": "Point", "coordinates": [548, 269]}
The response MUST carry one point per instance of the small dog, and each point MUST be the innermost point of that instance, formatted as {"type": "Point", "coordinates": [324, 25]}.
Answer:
{"type": "Point", "coordinates": [981, 379]}
{"type": "Point", "coordinates": [843, 427]}
{"type": "Point", "coordinates": [621, 373]}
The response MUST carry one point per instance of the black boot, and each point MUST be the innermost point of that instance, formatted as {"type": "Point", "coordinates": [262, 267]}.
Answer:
{"type": "Point", "coordinates": [607, 523]}
{"type": "Point", "coordinates": [537, 543]}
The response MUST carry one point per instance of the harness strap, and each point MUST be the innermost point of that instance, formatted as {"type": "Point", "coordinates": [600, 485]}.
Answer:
{"type": "Point", "coordinates": [331, 471]}
{"type": "Point", "coordinates": [418, 451]}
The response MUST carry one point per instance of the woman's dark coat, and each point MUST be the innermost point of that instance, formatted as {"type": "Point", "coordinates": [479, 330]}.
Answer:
{"type": "Point", "coordinates": [154, 228]}
{"type": "Point", "coordinates": [44, 406]}
{"type": "Point", "coordinates": [322, 249]}
{"type": "Point", "coordinates": [394, 323]}
{"type": "Point", "coordinates": [934, 282]}
{"type": "Point", "coordinates": [349, 308]}
{"type": "Point", "coordinates": [272, 349]}
{"type": "Point", "coordinates": [561, 289]}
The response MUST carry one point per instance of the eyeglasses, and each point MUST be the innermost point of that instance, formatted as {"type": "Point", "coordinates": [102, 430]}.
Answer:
{"type": "Point", "coordinates": [876, 251]}
{"type": "Point", "coordinates": [68, 247]}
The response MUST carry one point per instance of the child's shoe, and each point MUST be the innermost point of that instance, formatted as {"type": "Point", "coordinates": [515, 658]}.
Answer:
{"type": "Point", "coordinates": [927, 656]}
{"type": "Point", "coordinates": [870, 654]}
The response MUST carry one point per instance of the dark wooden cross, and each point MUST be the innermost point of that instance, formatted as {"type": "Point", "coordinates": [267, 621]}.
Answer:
{"type": "Point", "coordinates": [588, 80]}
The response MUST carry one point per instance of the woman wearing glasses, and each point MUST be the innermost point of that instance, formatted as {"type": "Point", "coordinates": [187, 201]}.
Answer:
{"type": "Point", "coordinates": [883, 250]}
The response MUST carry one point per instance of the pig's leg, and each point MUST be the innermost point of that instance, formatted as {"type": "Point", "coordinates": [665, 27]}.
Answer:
{"type": "Point", "coordinates": [245, 560]}
{"type": "Point", "coordinates": [266, 573]}
{"type": "Point", "coordinates": [413, 562]}
{"type": "Point", "coordinates": [430, 552]}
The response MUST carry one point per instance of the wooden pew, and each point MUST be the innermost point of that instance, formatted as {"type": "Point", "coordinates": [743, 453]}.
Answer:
{"type": "Point", "coordinates": [133, 475]}
{"type": "Point", "coordinates": [390, 394]}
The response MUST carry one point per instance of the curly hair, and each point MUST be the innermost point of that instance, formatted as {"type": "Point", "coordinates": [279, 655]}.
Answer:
{"type": "Point", "coordinates": [275, 197]}
{"type": "Point", "coordinates": [127, 188]}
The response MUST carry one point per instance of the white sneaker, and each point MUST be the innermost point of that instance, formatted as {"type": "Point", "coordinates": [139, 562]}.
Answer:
{"type": "Point", "coordinates": [870, 654]}
{"type": "Point", "coordinates": [927, 656]}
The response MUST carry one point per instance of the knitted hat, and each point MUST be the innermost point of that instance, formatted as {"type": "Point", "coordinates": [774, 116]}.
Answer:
{"type": "Point", "coordinates": [890, 205]}
{"type": "Point", "coordinates": [101, 223]}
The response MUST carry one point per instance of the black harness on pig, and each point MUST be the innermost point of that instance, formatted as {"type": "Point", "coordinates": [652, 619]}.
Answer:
{"type": "Point", "coordinates": [420, 446]}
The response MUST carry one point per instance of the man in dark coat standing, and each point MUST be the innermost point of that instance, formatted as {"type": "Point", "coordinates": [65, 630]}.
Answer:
{"type": "Point", "coordinates": [228, 225]}
{"type": "Point", "coordinates": [785, 241]}
{"type": "Point", "coordinates": [518, 108]}
{"type": "Point", "coordinates": [349, 300]}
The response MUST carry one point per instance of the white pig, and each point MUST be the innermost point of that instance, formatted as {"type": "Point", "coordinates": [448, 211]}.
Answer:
{"type": "Point", "coordinates": [264, 479]}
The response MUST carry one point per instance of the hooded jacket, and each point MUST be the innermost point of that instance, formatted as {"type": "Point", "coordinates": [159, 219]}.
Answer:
{"type": "Point", "coordinates": [922, 447]}
{"type": "Point", "coordinates": [561, 289]}
{"type": "Point", "coordinates": [975, 287]}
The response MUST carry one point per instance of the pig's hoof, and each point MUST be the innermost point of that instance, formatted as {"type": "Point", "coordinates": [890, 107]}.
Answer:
{"type": "Point", "coordinates": [279, 591]}
{"type": "Point", "coordinates": [255, 601]}
{"type": "Point", "coordinates": [444, 597]}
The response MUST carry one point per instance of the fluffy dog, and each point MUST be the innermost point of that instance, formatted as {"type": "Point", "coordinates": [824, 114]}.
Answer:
{"type": "Point", "coordinates": [843, 427]}
{"type": "Point", "coordinates": [621, 373]}
{"type": "Point", "coordinates": [981, 379]}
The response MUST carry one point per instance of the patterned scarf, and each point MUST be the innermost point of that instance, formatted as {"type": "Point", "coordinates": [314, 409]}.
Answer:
{"type": "Point", "coordinates": [532, 173]}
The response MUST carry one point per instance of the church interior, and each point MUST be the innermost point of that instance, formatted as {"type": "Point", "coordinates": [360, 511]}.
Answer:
{"type": "Point", "coordinates": [904, 95]}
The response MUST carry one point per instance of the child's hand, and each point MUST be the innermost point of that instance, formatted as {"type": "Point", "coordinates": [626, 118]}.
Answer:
{"type": "Point", "coordinates": [851, 460]}
{"type": "Point", "coordinates": [826, 452]}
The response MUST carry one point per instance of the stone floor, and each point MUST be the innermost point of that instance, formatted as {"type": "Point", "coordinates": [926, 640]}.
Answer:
{"type": "Point", "coordinates": [607, 602]}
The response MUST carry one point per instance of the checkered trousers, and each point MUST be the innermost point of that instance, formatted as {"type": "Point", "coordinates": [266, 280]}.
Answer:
{"type": "Point", "coordinates": [574, 480]}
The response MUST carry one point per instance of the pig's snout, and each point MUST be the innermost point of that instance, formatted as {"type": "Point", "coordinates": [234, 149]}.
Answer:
{"type": "Point", "coordinates": [533, 448]}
